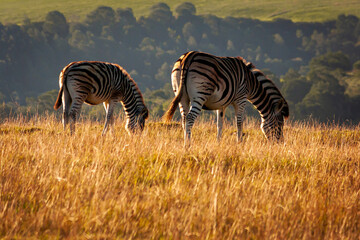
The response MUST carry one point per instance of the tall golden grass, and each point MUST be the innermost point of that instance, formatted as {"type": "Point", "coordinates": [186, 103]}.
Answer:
{"type": "Point", "coordinates": [53, 185]}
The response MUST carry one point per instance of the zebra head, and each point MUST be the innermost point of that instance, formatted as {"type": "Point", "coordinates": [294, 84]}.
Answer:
{"type": "Point", "coordinates": [144, 114]}
{"type": "Point", "coordinates": [137, 123]}
{"type": "Point", "coordinates": [272, 125]}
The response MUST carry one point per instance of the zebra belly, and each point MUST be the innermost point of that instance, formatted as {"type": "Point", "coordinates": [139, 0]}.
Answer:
{"type": "Point", "coordinates": [214, 105]}
{"type": "Point", "coordinates": [215, 102]}
{"type": "Point", "coordinates": [93, 99]}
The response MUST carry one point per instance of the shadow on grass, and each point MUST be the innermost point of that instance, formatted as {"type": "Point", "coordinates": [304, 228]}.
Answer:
{"type": "Point", "coordinates": [22, 130]}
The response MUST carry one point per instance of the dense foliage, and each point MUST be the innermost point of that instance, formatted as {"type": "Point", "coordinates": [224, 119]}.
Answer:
{"type": "Point", "coordinates": [316, 65]}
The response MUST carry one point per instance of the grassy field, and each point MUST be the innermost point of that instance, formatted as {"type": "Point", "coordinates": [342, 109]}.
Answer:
{"type": "Point", "coordinates": [85, 186]}
{"type": "Point", "coordinates": [15, 11]}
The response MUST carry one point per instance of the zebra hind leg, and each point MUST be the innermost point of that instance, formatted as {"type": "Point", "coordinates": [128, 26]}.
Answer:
{"type": "Point", "coordinates": [184, 106]}
{"type": "Point", "coordinates": [74, 113]}
{"type": "Point", "coordinates": [66, 102]}
{"type": "Point", "coordinates": [239, 114]}
{"type": "Point", "coordinates": [189, 122]}
{"type": "Point", "coordinates": [65, 119]}
{"type": "Point", "coordinates": [195, 109]}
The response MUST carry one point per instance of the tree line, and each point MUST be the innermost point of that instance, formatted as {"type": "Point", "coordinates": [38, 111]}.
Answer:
{"type": "Point", "coordinates": [315, 65]}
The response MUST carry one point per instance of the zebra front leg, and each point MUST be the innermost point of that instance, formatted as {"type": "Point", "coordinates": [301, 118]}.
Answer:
{"type": "Point", "coordinates": [109, 108]}
{"type": "Point", "coordinates": [220, 120]}
{"type": "Point", "coordinates": [239, 123]}
{"type": "Point", "coordinates": [239, 112]}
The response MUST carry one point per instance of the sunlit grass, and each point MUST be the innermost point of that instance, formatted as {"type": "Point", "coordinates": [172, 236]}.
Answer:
{"type": "Point", "coordinates": [53, 185]}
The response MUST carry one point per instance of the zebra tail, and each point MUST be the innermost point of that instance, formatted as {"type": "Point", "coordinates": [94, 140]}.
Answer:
{"type": "Point", "coordinates": [186, 60]}
{"type": "Point", "coordinates": [59, 98]}
{"type": "Point", "coordinates": [173, 105]}
{"type": "Point", "coordinates": [175, 102]}
{"type": "Point", "coordinates": [62, 79]}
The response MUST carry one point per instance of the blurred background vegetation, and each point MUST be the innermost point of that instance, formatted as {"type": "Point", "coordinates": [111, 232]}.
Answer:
{"type": "Point", "coordinates": [315, 64]}
{"type": "Point", "coordinates": [14, 11]}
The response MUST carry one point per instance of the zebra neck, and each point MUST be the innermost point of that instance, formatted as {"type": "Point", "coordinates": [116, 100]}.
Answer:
{"type": "Point", "coordinates": [132, 100]}
{"type": "Point", "coordinates": [263, 94]}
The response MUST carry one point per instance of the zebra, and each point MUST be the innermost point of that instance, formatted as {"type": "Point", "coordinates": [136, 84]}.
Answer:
{"type": "Point", "coordinates": [204, 81]}
{"type": "Point", "coordinates": [95, 82]}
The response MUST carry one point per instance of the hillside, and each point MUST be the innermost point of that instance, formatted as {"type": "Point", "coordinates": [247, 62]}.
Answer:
{"type": "Point", "coordinates": [15, 11]}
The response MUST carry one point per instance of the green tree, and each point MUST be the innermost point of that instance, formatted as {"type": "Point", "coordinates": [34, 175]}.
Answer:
{"type": "Point", "coordinates": [163, 74]}
{"type": "Point", "coordinates": [324, 102]}
{"type": "Point", "coordinates": [330, 61]}
{"type": "Point", "coordinates": [100, 17]}
{"type": "Point", "coordinates": [82, 41]}
{"type": "Point", "coordinates": [295, 86]}
{"type": "Point", "coordinates": [191, 34]}
{"type": "Point", "coordinates": [158, 100]}
{"type": "Point", "coordinates": [161, 13]}
{"type": "Point", "coordinates": [345, 28]}
{"type": "Point", "coordinates": [55, 24]}
{"type": "Point", "coordinates": [125, 16]}
{"type": "Point", "coordinates": [158, 22]}
{"type": "Point", "coordinates": [352, 82]}
{"type": "Point", "coordinates": [326, 98]}
{"type": "Point", "coordinates": [44, 102]}
{"type": "Point", "coordinates": [185, 9]}
{"type": "Point", "coordinates": [356, 66]}
{"type": "Point", "coordinates": [126, 29]}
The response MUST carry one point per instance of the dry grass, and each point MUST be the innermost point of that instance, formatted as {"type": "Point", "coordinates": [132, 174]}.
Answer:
{"type": "Point", "coordinates": [85, 186]}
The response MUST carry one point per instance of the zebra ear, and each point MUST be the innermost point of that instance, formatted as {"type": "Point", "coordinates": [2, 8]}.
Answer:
{"type": "Point", "coordinates": [145, 113]}
{"type": "Point", "coordinates": [285, 111]}
{"type": "Point", "coordinates": [283, 108]}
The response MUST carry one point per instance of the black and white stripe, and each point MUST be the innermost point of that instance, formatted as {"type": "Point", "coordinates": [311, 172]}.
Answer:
{"type": "Point", "coordinates": [95, 82]}
{"type": "Point", "coordinates": [203, 81]}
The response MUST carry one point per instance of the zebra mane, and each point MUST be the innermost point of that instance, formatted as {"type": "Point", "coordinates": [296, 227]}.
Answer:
{"type": "Point", "coordinates": [260, 76]}
{"type": "Point", "coordinates": [132, 82]}
{"type": "Point", "coordinates": [249, 65]}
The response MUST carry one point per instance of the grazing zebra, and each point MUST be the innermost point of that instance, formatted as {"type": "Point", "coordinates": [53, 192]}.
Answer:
{"type": "Point", "coordinates": [203, 81]}
{"type": "Point", "coordinates": [95, 82]}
